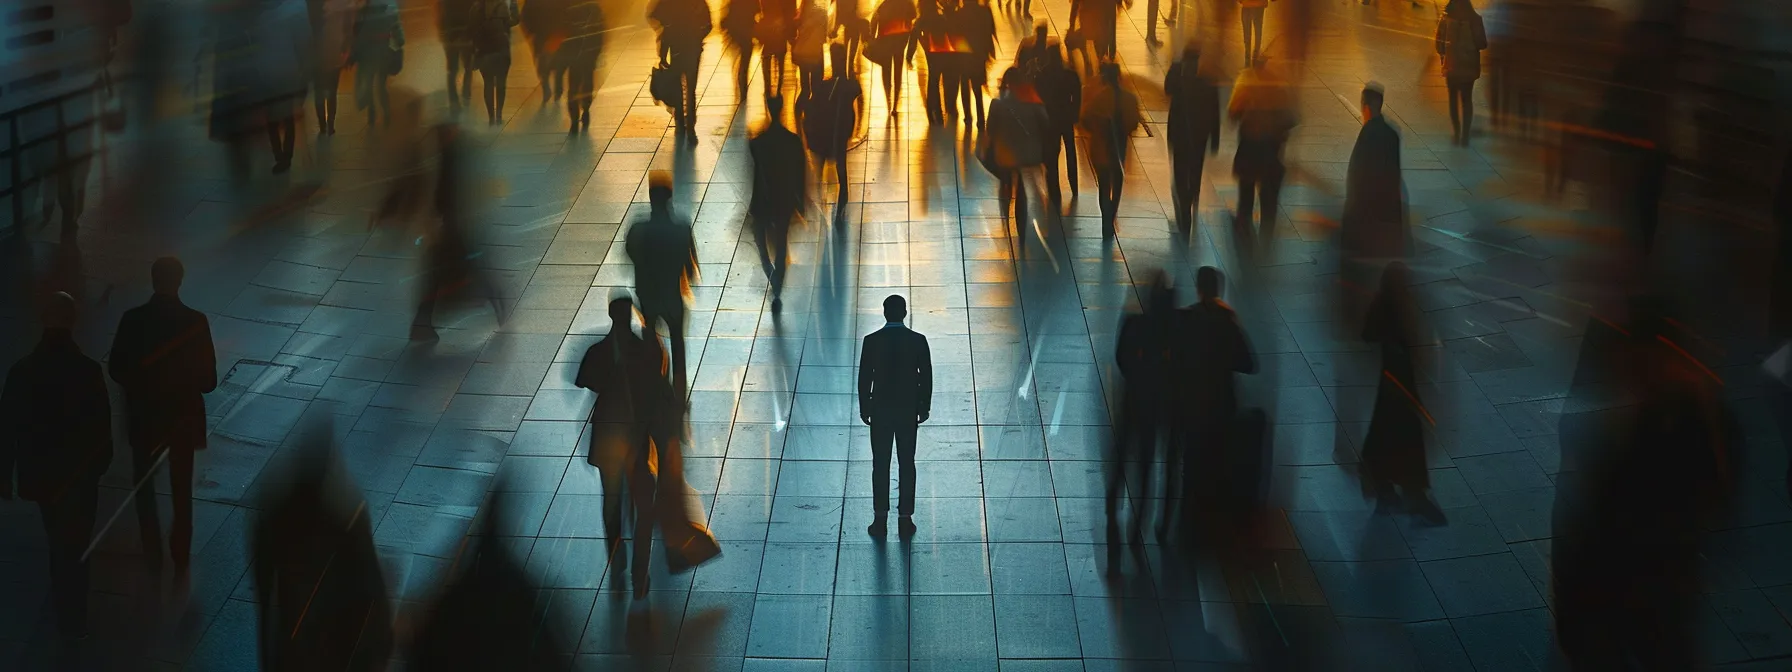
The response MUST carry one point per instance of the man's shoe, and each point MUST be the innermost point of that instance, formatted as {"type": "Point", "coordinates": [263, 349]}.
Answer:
{"type": "Point", "coordinates": [878, 527]}
{"type": "Point", "coordinates": [905, 526]}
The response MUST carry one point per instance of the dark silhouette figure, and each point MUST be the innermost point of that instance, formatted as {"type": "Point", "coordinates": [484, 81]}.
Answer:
{"type": "Point", "coordinates": [1194, 131]}
{"type": "Point", "coordinates": [583, 46]}
{"type": "Point", "coordinates": [775, 30]}
{"type": "Point", "coordinates": [892, 42]}
{"type": "Point", "coordinates": [739, 21]}
{"type": "Point", "coordinates": [830, 120]}
{"type": "Point", "coordinates": [1143, 355]}
{"type": "Point", "coordinates": [490, 29]}
{"type": "Point", "coordinates": [234, 109]}
{"type": "Point", "coordinates": [332, 35]}
{"type": "Point", "coordinates": [1394, 450]}
{"type": "Point", "coordinates": [378, 54]}
{"type": "Point", "coordinates": [283, 58]}
{"type": "Point", "coordinates": [1110, 115]}
{"type": "Point", "coordinates": [1061, 91]}
{"type": "Point", "coordinates": [450, 270]}
{"type": "Point", "coordinates": [808, 50]}
{"type": "Point", "coordinates": [1099, 23]}
{"type": "Point", "coordinates": [1632, 503]}
{"type": "Point", "coordinates": [779, 189]}
{"type": "Point", "coordinates": [1461, 37]}
{"type": "Point", "coordinates": [491, 615]}
{"type": "Point", "coordinates": [682, 25]}
{"type": "Point", "coordinates": [1013, 146]}
{"type": "Point", "coordinates": [934, 35]}
{"type": "Point", "coordinates": [622, 369]}
{"type": "Point", "coordinates": [1250, 19]}
{"type": "Point", "coordinates": [546, 24]}
{"type": "Point", "coordinates": [455, 27]}
{"type": "Point", "coordinates": [1034, 49]}
{"type": "Point", "coordinates": [1373, 231]}
{"type": "Point", "coordinates": [320, 592]}
{"type": "Point", "coordinates": [1263, 110]}
{"type": "Point", "coordinates": [1210, 350]}
{"type": "Point", "coordinates": [162, 356]}
{"type": "Point", "coordinates": [977, 25]}
{"type": "Point", "coordinates": [665, 257]}
{"type": "Point", "coordinates": [56, 435]}
{"type": "Point", "coordinates": [895, 397]}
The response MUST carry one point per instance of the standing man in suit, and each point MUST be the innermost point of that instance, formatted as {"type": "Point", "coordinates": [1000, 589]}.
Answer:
{"type": "Point", "coordinates": [621, 369]}
{"type": "Point", "coordinates": [56, 434]}
{"type": "Point", "coordinates": [895, 397]}
{"type": "Point", "coordinates": [163, 358]}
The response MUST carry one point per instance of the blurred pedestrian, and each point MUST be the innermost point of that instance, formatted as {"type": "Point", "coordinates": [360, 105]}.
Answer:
{"type": "Point", "coordinates": [892, 42]}
{"type": "Point", "coordinates": [1013, 146]}
{"type": "Point", "coordinates": [977, 25]}
{"type": "Point", "coordinates": [379, 53]}
{"type": "Point", "coordinates": [808, 50]}
{"type": "Point", "coordinates": [1109, 117]}
{"type": "Point", "coordinates": [1061, 91]}
{"type": "Point", "coordinates": [683, 25]}
{"type": "Point", "coordinates": [1250, 18]}
{"type": "Point", "coordinates": [545, 23]}
{"type": "Point", "coordinates": [1194, 131]}
{"type": "Point", "coordinates": [776, 29]}
{"type": "Point", "coordinates": [1143, 356]}
{"type": "Point", "coordinates": [1394, 450]}
{"type": "Point", "coordinates": [332, 36]}
{"type": "Point", "coordinates": [1099, 22]}
{"type": "Point", "coordinates": [620, 369]}
{"type": "Point", "coordinates": [933, 33]}
{"type": "Point", "coordinates": [1460, 38]}
{"type": "Point", "coordinates": [780, 187]}
{"type": "Point", "coordinates": [490, 615]}
{"type": "Point", "coordinates": [739, 22]}
{"type": "Point", "coordinates": [56, 435]}
{"type": "Point", "coordinates": [1209, 351]}
{"type": "Point", "coordinates": [492, 21]}
{"type": "Point", "coordinates": [831, 120]}
{"type": "Point", "coordinates": [1373, 231]}
{"type": "Point", "coordinates": [584, 45]}
{"type": "Point", "coordinates": [850, 28]}
{"type": "Point", "coordinates": [450, 266]}
{"type": "Point", "coordinates": [1263, 110]}
{"type": "Point", "coordinates": [283, 60]}
{"type": "Point", "coordinates": [163, 357]}
{"type": "Point", "coordinates": [664, 254]}
{"type": "Point", "coordinates": [320, 594]}
{"type": "Point", "coordinates": [454, 20]}
{"type": "Point", "coordinates": [895, 398]}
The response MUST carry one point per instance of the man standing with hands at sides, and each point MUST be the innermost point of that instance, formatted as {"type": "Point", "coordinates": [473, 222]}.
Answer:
{"type": "Point", "coordinates": [163, 358]}
{"type": "Point", "coordinates": [1194, 123]}
{"type": "Point", "coordinates": [664, 253]}
{"type": "Point", "coordinates": [779, 190]}
{"type": "Point", "coordinates": [56, 433]}
{"type": "Point", "coordinates": [895, 397]}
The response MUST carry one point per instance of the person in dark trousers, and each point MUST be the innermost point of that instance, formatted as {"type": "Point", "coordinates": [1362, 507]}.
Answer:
{"type": "Point", "coordinates": [1373, 230]}
{"type": "Point", "coordinates": [162, 356]}
{"type": "Point", "coordinates": [934, 38]}
{"type": "Point", "coordinates": [1061, 90]}
{"type": "Point", "coordinates": [545, 23]}
{"type": "Point", "coordinates": [1142, 354]}
{"type": "Point", "coordinates": [618, 368]}
{"type": "Point", "coordinates": [1013, 146]}
{"type": "Point", "coordinates": [830, 120]}
{"type": "Point", "coordinates": [978, 26]}
{"type": "Point", "coordinates": [892, 43]}
{"type": "Point", "coordinates": [378, 54]}
{"type": "Point", "coordinates": [284, 64]}
{"type": "Point", "coordinates": [895, 397]}
{"type": "Point", "coordinates": [1263, 110]}
{"type": "Point", "coordinates": [450, 267]}
{"type": "Point", "coordinates": [1194, 131]}
{"type": "Point", "coordinates": [1210, 350]}
{"type": "Point", "coordinates": [332, 32]}
{"type": "Point", "coordinates": [1250, 18]}
{"type": "Point", "coordinates": [1110, 115]}
{"type": "Point", "coordinates": [739, 21]}
{"type": "Point", "coordinates": [491, 25]}
{"type": "Point", "coordinates": [775, 31]}
{"type": "Point", "coordinates": [682, 25]}
{"type": "Point", "coordinates": [1394, 450]}
{"type": "Point", "coordinates": [780, 186]}
{"type": "Point", "coordinates": [320, 593]}
{"type": "Point", "coordinates": [1461, 37]}
{"type": "Point", "coordinates": [584, 45]}
{"type": "Point", "coordinates": [808, 50]}
{"type": "Point", "coordinates": [56, 435]}
{"type": "Point", "coordinates": [664, 253]}
{"type": "Point", "coordinates": [455, 27]}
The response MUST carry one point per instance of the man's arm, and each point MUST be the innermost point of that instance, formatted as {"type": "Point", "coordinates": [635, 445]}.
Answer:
{"type": "Point", "coordinates": [867, 371]}
{"type": "Point", "coordinates": [926, 382]}
{"type": "Point", "coordinates": [207, 356]}
{"type": "Point", "coordinates": [1243, 360]}
{"type": "Point", "coordinates": [98, 423]}
{"type": "Point", "coordinates": [121, 361]}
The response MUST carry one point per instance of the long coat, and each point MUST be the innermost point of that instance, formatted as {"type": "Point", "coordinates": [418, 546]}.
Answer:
{"type": "Point", "coordinates": [55, 420]}
{"type": "Point", "coordinates": [1394, 450]}
{"type": "Point", "coordinates": [1374, 222]}
{"type": "Point", "coordinates": [164, 360]}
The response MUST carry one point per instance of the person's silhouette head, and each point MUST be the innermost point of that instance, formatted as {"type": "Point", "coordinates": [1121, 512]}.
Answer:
{"type": "Point", "coordinates": [1207, 283]}
{"type": "Point", "coordinates": [59, 311]}
{"type": "Point", "coordinates": [165, 276]}
{"type": "Point", "coordinates": [1039, 29]}
{"type": "Point", "coordinates": [1372, 99]}
{"type": "Point", "coordinates": [622, 313]}
{"type": "Point", "coordinates": [1010, 77]}
{"type": "Point", "coordinates": [895, 308]}
{"type": "Point", "coordinates": [659, 189]}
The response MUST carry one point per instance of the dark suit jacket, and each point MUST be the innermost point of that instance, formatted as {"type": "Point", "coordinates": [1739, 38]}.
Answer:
{"type": "Point", "coordinates": [1214, 348]}
{"type": "Point", "coordinates": [778, 179]}
{"type": "Point", "coordinates": [895, 376]}
{"type": "Point", "coordinates": [629, 376]}
{"type": "Point", "coordinates": [57, 428]}
{"type": "Point", "coordinates": [1194, 110]}
{"type": "Point", "coordinates": [1374, 201]}
{"type": "Point", "coordinates": [163, 358]}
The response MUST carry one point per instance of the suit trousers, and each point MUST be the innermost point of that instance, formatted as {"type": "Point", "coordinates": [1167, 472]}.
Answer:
{"type": "Point", "coordinates": [883, 433]}
{"type": "Point", "coordinates": [180, 477]}
{"type": "Point", "coordinates": [68, 525]}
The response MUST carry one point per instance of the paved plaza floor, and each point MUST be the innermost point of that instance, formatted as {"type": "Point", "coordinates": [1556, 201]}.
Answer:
{"type": "Point", "coordinates": [310, 309]}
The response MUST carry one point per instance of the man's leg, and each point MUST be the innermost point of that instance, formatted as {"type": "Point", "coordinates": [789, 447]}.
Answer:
{"type": "Point", "coordinates": [1271, 193]}
{"type": "Point", "coordinates": [1151, 22]}
{"type": "Point", "coordinates": [68, 525]}
{"type": "Point", "coordinates": [882, 435]}
{"type": "Point", "coordinates": [642, 488]}
{"type": "Point", "coordinates": [905, 457]}
{"type": "Point", "coordinates": [675, 332]}
{"type": "Point", "coordinates": [1054, 151]}
{"type": "Point", "coordinates": [839, 159]}
{"type": "Point", "coordinates": [1069, 139]}
{"type": "Point", "coordinates": [149, 522]}
{"type": "Point", "coordinates": [180, 477]}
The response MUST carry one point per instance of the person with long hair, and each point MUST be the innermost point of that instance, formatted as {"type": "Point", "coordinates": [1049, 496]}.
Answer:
{"type": "Point", "coordinates": [492, 21]}
{"type": "Point", "coordinates": [1461, 37]}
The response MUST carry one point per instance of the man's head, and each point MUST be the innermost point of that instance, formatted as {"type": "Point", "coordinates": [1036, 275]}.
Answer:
{"type": "Point", "coordinates": [58, 311]}
{"type": "Point", "coordinates": [166, 274]}
{"type": "Point", "coordinates": [659, 189]}
{"type": "Point", "coordinates": [1372, 97]}
{"type": "Point", "coordinates": [1039, 29]}
{"type": "Point", "coordinates": [895, 309]}
{"type": "Point", "coordinates": [1207, 283]}
{"type": "Point", "coordinates": [622, 313]}
{"type": "Point", "coordinates": [1010, 78]}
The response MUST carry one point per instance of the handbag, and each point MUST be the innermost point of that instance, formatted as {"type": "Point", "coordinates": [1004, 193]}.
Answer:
{"type": "Point", "coordinates": [397, 61]}
{"type": "Point", "coordinates": [662, 84]}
